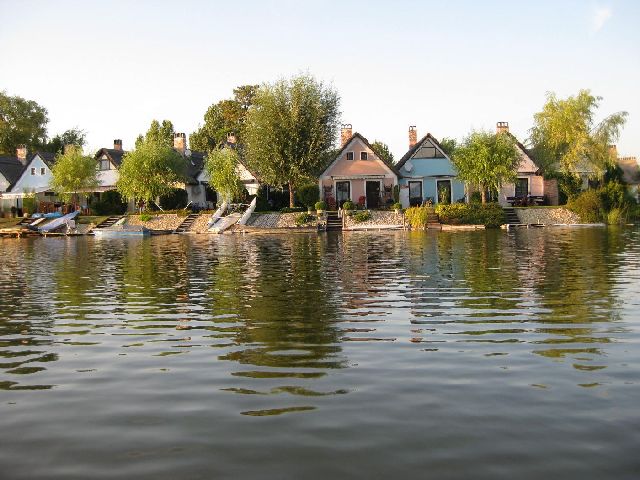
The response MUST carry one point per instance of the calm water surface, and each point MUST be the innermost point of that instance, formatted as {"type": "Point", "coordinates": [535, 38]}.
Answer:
{"type": "Point", "coordinates": [362, 355]}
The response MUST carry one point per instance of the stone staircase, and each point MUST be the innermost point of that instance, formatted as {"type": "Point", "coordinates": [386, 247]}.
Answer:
{"type": "Point", "coordinates": [334, 222]}
{"type": "Point", "coordinates": [186, 223]}
{"type": "Point", "coordinates": [511, 217]}
{"type": "Point", "coordinates": [433, 221]}
{"type": "Point", "coordinates": [108, 222]}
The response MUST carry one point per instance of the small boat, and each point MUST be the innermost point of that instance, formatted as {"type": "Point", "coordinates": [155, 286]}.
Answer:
{"type": "Point", "coordinates": [122, 231]}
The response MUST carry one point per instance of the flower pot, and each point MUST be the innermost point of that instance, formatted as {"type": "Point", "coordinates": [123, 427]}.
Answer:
{"type": "Point", "coordinates": [319, 212]}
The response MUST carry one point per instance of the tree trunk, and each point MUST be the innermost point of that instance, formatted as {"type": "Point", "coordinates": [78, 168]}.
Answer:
{"type": "Point", "coordinates": [483, 193]}
{"type": "Point", "coordinates": [292, 197]}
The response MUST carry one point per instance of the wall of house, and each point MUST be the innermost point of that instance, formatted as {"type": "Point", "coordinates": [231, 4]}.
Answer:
{"type": "Point", "coordinates": [37, 181]}
{"type": "Point", "coordinates": [344, 167]}
{"type": "Point", "coordinates": [536, 188]}
{"type": "Point", "coordinates": [108, 178]}
{"type": "Point", "coordinates": [196, 194]}
{"type": "Point", "coordinates": [429, 171]}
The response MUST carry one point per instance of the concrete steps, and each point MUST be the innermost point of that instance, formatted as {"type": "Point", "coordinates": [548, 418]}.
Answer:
{"type": "Point", "coordinates": [334, 222]}
{"type": "Point", "coordinates": [186, 223]}
{"type": "Point", "coordinates": [110, 221]}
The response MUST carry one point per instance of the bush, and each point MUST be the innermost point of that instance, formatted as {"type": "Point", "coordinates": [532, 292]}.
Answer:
{"type": "Point", "coordinates": [418, 217]}
{"type": "Point", "coordinates": [145, 217]}
{"type": "Point", "coordinates": [304, 218]}
{"type": "Point", "coordinates": [476, 197]}
{"type": "Point", "coordinates": [614, 196]}
{"type": "Point", "coordinates": [396, 206]}
{"type": "Point", "coordinates": [110, 203]}
{"type": "Point", "coordinates": [588, 206]}
{"type": "Point", "coordinates": [617, 216]}
{"type": "Point", "coordinates": [292, 209]}
{"type": "Point", "coordinates": [174, 200]}
{"type": "Point", "coordinates": [362, 216]}
{"type": "Point", "coordinates": [321, 205]}
{"type": "Point", "coordinates": [489, 214]}
{"type": "Point", "coordinates": [396, 193]}
{"type": "Point", "coordinates": [348, 206]}
{"type": "Point", "coordinates": [308, 195]}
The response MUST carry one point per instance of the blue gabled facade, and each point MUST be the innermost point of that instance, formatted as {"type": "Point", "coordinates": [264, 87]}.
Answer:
{"type": "Point", "coordinates": [426, 173]}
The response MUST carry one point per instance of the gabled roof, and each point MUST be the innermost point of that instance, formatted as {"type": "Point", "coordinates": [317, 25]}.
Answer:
{"type": "Point", "coordinates": [195, 164]}
{"type": "Point", "coordinates": [114, 155]}
{"type": "Point", "coordinates": [11, 168]}
{"type": "Point", "coordinates": [415, 148]}
{"type": "Point", "coordinates": [525, 151]}
{"type": "Point", "coordinates": [630, 170]}
{"type": "Point", "coordinates": [357, 135]}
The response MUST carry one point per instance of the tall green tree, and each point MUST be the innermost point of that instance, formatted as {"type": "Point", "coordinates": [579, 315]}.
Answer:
{"type": "Point", "coordinates": [160, 133]}
{"type": "Point", "coordinates": [149, 171]}
{"type": "Point", "coordinates": [487, 160]}
{"type": "Point", "coordinates": [22, 122]}
{"type": "Point", "coordinates": [73, 136]}
{"type": "Point", "coordinates": [567, 138]}
{"type": "Point", "coordinates": [73, 173]}
{"type": "Point", "coordinates": [290, 128]}
{"type": "Point", "coordinates": [449, 145]}
{"type": "Point", "coordinates": [223, 118]}
{"type": "Point", "coordinates": [221, 166]}
{"type": "Point", "coordinates": [381, 149]}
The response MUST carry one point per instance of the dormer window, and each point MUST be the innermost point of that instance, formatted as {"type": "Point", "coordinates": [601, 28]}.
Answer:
{"type": "Point", "coordinates": [364, 155]}
{"type": "Point", "coordinates": [349, 155]}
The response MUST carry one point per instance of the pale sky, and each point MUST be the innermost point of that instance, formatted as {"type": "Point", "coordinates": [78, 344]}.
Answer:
{"type": "Point", "coordinates": [110, 67]}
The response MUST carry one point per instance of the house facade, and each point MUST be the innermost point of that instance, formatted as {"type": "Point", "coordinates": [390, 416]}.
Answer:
{"type": "Point", "coordinates": [427, 174]}
{"type": "Point", "coordinates": [357, 174]}
{"type": "Point", "coordinates": [529, 183]}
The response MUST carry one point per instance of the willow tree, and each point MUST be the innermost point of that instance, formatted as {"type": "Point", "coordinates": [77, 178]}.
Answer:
{"type": "Point", "coordinates": [73, 173]}
{"type": "Point", "coordinates": [487, 160]}
{"type": "Point", "coordinates": [290, 127]}
{"type": "Point", "coordinates": [566, 136]}
{"type": "Point", "coordinates": [222, 167]}
{"type": "Point", "coordinates": [149, 171]}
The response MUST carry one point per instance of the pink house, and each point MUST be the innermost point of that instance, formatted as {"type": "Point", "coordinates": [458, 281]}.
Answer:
{"type": "Point", "coordinates": [530, 184]}
{"type": "Point", "coordinates": [357, 174]}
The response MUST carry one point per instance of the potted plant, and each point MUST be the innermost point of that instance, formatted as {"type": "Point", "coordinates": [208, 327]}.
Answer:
{"type": "Point", "coordinates": [397, 207]}
{"type": "Point", "coordinates": [320, 207]}
{"type": "Point", "coordinates": [348, 206]}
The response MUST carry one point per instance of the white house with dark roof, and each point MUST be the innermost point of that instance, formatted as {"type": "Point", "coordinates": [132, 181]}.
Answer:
{"type": "Point", "coordinates": [34, 178]}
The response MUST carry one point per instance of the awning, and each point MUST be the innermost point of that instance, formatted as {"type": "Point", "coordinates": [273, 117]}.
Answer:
{"type": "Point", "coordinates": [22, 194]}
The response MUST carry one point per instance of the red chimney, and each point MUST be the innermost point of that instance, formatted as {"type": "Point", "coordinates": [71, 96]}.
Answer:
{"type": "Point", "coordinates": [502, 127]}
{"type": "Point", "coordinates": [413, 136]}
{"type": "Point", "coordinates": [117, 144]}
{"type": "Point", "coordinates": [21, 153]}
{"type": "Point", "coordinates": [346, 132]}
{"type": "Point", "coordinates": [180, 142]}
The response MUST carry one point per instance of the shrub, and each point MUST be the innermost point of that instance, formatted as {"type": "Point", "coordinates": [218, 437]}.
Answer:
{"type": "Point", "coordinates": [396, 193]}
{"type": "Point", "coordinates": [362, 216]}
{"type": "Point", "coordinates": [292, 209]}
{"type": "Point", "coordinates": [348, 206]}
{"type": "Point", "coordinates": [362, 200]}
{"type": "Point", "coordinates": [145, 217]}
{"type": "Point", "coordinates": [303, 219]}
{"type": "Point", "coordinates": [489, 214]}
{"type": "Point", "coordinates": [476, 197]}
{"type": "Point", "coordinates": [321, 205]}
{"type": "Point", "coordinates": [110, 203]}
{"type": "Point", "coordinates": [614, 196]}
{"type": "Point", "coordinates": [174, 200]}
{"type": "Point", "coordinates": [588, 206]}
{"type": "Point", "coordinates": [308, 195]}
{"type": "Point", "coordinates": [418, 217]}
{"type": "Point", "coordinates": [396, 206]}
{"type": "Point", "coordinates": [617, 216]}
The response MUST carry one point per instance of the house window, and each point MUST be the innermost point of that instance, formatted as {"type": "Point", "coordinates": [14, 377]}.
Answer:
{"type": "Point", "coordinates": [33, 171]}
{"type": "Point", "coordinates": [349, 155]}
{"type": "Point", "coordinates": [363, 155]}
{"type": "Point", "coordinates": [42, 171]}
{"type": "Point", "coordinates": [105, 165]}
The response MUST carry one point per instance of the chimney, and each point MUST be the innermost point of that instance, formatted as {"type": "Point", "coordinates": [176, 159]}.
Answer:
{"type": "Point", "coordinates": [117, 144]}
{"type": "Point", "coordinates": [231, 138]}
{"type": "Point", "coordinates": [346, 132]}
{"type": "Point", "coordinates": [21, 153]}
{"type": "Point", "coordinates": [413, 136]}
{"type": "Point", "coordinates": [613, 153]}
{"type": "Point", "coordinates": [502, 127]}
{"type": "Point", "coordinates": [180, 142]}
{"type": "Point", "coordinates": [68, 148]}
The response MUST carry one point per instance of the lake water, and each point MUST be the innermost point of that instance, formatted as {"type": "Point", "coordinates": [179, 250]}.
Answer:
{"type": "Point", "coordinates": [356, 355]}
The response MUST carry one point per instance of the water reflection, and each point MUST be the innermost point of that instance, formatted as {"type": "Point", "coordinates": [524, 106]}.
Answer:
{"type": "Point", "coordinates": [280, 311]}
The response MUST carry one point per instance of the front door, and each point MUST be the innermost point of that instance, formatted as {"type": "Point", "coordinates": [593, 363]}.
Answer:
{"type": "Point", "coordinates": [373, 194]}
{"type": "Point", "coordinates": [444, 191]}
{"type": "Point", "coordinates": [343, 192]}
{"type": "Point", "coordinates": [415, 194]}
{"type": "Point", "coordinates": [522, 187]}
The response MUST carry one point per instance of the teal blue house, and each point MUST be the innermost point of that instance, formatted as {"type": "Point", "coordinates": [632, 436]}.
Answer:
{"type": "Point", "coordinates": [427, 174]}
